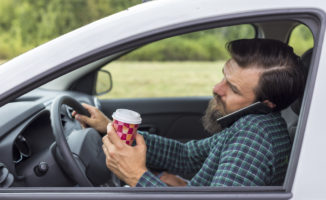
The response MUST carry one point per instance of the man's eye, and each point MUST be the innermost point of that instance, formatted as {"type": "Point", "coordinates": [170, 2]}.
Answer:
{"type": "Point", "coordinates": [234, 91]}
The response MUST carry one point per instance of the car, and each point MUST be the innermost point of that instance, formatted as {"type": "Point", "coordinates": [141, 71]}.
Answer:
{"type": "Point", "coordinates": [45, 154]}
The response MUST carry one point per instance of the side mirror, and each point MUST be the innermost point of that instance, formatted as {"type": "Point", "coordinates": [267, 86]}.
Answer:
{"type": "Point", "coordinates": [104, 82]}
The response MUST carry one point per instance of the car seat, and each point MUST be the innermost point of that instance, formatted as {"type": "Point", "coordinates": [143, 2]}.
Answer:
{"type": "Point", "coordinates": [291, 114]}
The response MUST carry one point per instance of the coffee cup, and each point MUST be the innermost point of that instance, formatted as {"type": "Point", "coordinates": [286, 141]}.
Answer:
{"type": "Point", "coordinates": [126, 123]}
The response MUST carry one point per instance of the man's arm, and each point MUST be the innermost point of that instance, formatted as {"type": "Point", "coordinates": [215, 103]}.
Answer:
{"type": "Point", "coordinates": [166, 154]}
{"type": "Point", "coordinates": [164, 179]}
{"type": "Point", "coordinates": [173, 156]}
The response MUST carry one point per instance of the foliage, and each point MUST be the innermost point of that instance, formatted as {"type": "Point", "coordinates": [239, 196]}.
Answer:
{"type": "Point", "coordinates": [206, 45]}
{"type": "Point", "coordinates": [25, 24]}
{"type": "Point", "coordinates": [301, 39]}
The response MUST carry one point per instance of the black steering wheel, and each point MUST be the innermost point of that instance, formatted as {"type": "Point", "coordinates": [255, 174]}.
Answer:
{"type": "Point", "coordinates": [79, 152]}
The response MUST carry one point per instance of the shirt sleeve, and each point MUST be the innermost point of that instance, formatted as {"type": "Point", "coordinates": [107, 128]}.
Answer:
{"type": "Point", "coordinates": [173, 156]}
{"type": "Point", "coordinates": [150, 180]}
{"type": "Point", "coordinates": [246, 159]}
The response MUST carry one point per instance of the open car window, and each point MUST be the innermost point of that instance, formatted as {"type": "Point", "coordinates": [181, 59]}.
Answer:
{"type": "Point", "coordinates": [180, 66]}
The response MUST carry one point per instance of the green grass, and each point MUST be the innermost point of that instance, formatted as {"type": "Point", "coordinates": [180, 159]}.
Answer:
{"type": "Point", "coordinates": [163, 79]}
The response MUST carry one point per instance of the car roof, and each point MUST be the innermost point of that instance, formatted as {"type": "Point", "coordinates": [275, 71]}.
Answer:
{"type": "Point", "coordinates": [36, 66]}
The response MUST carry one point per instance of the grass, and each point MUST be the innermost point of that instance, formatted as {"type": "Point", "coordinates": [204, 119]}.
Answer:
{"type": "Point", "coordinates": [163, 79]}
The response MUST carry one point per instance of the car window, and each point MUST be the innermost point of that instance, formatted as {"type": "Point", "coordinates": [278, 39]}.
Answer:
{"type": "Point", "coordinates": [163, 68]}
{"type": "Point", "coordinates": [301, 39]}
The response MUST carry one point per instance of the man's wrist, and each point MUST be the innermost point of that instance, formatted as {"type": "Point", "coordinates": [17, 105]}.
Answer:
{"type": "Point", "coordinates": [132, 181]}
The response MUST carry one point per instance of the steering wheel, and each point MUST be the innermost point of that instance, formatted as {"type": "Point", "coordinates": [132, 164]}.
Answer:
{"type": "Point", "coordinates": [80, 154]}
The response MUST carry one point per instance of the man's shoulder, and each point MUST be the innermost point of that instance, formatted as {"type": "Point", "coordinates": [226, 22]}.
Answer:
{"type": "Point", "coordinates": [260, 120]}
{"type": "Point", "coordinates": [260, 123]}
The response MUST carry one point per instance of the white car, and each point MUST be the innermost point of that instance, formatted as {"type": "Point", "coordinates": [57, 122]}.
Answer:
{"type": "Point", "coordinates": [36, 160]}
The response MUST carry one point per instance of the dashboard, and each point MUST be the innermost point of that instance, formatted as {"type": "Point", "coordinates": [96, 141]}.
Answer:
{"type": "Point", "coordinates": [27, 141]}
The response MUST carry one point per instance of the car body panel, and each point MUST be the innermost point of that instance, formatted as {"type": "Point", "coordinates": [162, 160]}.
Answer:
{"type": "Point", "coordinates": [311, 159]}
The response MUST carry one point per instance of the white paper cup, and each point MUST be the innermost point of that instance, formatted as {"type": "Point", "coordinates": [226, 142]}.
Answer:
{"type": "Point", "coordinates": [126, 123]}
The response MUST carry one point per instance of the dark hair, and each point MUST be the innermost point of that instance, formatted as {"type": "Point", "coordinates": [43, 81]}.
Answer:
{"type": "Point", "coordinates": [282, 80]}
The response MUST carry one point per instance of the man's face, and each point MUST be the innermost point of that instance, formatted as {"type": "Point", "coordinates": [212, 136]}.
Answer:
{"type": "Point", "coordinates": [234, 92]}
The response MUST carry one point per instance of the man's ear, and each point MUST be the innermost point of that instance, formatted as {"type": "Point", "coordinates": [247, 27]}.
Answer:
{"type": "Point", "coordinates": [269, 104]}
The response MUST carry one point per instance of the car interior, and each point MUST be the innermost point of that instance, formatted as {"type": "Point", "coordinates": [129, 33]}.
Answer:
{"type": "Point", "coordinates": [291, 114]}
{"type": "Point", "coordinates": [38, 132]}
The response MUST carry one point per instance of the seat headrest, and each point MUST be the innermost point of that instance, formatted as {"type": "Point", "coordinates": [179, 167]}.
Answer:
{"type": "Point", "coordinates": [305, 59]}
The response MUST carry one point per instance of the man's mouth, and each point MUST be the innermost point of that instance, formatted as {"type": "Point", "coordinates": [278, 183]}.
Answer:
{"type": "Point", "coordinates": [214, 111]}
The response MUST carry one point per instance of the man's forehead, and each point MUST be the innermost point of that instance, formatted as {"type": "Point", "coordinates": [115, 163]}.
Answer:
{"type": "Point", "coordinates": [229, 65]}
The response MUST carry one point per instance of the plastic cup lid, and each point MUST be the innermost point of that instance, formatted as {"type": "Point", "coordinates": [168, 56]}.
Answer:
{"type": "Point", "coordinates": [127, 116]}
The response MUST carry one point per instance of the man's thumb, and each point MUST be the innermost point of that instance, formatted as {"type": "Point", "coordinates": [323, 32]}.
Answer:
{"type": "Point", "coordinates": [140, 140]}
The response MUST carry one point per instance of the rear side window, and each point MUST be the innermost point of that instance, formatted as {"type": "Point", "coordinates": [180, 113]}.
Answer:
{"type": "Point", "coordinates": [301, 39]}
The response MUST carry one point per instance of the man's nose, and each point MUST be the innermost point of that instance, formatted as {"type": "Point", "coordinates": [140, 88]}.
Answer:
{"type": "Point", "coordinates": [220, 88]}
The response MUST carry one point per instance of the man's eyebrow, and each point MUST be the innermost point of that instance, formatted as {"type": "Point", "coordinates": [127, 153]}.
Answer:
{"type": "Point", "coordinates": [233, 87]}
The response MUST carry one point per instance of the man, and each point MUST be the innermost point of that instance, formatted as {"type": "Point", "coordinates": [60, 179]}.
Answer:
{"type": "Point", "coordinates": [253, 151]}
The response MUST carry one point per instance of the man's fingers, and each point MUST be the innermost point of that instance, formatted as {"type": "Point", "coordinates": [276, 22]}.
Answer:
{"type": "Point", "coordinates": [82, 118]}
{"type": "Point", "coordinates": [108, 159]}
{"type": "Point", "coordinates": [89, 108]}
{"type": "Point", "coordinates": [113, 136]}
{"type": "Point", "coordinates": [106, 142]}
{"type": "Point", "coordinates": [86, 106]}
{"type": "Point", "coordinates": [109, 149]}
{"type": "Point", "coordinates": [105, 150]}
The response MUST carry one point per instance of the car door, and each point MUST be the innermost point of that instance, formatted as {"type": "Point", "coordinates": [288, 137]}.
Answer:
{"type": "Point", "coordinates": [162, 114]}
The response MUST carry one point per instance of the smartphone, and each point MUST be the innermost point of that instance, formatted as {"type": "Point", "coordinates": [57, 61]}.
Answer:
{"type": "Point", "coordinates": [255, 108]}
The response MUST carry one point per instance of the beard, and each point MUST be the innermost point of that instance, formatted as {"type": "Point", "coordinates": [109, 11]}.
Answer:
{"type": "Point", "coordinates": [215, 110]}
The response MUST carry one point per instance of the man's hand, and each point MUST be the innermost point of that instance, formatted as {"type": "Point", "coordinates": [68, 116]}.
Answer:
{"type": "Point", "coordinates": [97, 120]}
{"type": "Point", "coordinates": [172, 180]}
{"type": "Point", "coordinates": [127, 162]}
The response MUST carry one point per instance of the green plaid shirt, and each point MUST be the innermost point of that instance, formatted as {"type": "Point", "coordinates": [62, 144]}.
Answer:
{"type": "Point", "coordinates": [254, 151]}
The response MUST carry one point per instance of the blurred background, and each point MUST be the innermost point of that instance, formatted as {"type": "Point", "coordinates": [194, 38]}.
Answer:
{"type": "Point", "coordinates": [25, 24]}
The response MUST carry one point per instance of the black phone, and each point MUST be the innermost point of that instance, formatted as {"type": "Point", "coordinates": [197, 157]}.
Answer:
{"type": "Point", "coordinates": [255, 108]}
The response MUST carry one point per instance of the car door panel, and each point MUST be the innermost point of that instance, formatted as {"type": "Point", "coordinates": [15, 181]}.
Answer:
{"type": "Point", "coordinates": [177, 118]}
